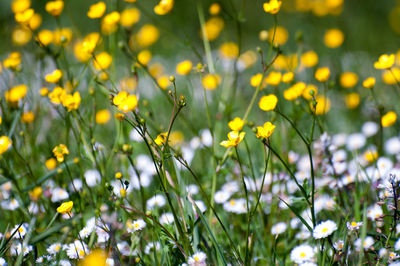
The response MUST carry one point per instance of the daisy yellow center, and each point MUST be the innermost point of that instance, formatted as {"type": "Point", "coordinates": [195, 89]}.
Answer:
{"type": "Point", "coordinates": [353, 224]}
{"type": "Point", "coordinates": [324, 230]}
{"type": "Point", "coordinates": [21, 230]}
{"type": "Point", "coordinates": [232, 203]}
{"type": "Point", "coordinates": [302, 254]}
{"type": "Point", "coordinates": [196, 258]}
{"type": "Point", "coordinates": [81, 253]}
{"type": "Point", "coordinates": [136, 225]}
{"type": "Point", "coordinates": [57, 248]}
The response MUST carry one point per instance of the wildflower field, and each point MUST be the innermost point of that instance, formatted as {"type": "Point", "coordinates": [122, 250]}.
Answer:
{"type": "Point", "coordinates": [199, 132]}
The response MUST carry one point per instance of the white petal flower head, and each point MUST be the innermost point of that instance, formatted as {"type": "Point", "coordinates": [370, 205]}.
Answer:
{"type": "Point", "coordinates": [370, 128]}
{"type": "Point", "coordinates": [3, 262]}
{"type": "Point", "coordinates": [136, 225]}
{"type": "Point", "coordinates": [392, 145]}
{"type": "Point", "coordinates": [20, 231]}
{"type": "Point", "coordinates": [301, 254]}
{"type": "Point", "coordinates": [54, 248]}
{"type": "Point", "coordinates": [197, 259]}
{"type": "Point", "coordinates": [368, 242]}
{"type": "Point", "coordinates": [166, 218]}
{"type": "Point", "coordinates": [278, 228]}
{"type": "Point", "coordinates": [157, 200]}
{"type": "Point", "coordinates": [354, 225]}
{"type": "Point", "coordinates": [92, 177]}
{"type": "Point", "coordinates": [324, 229]}
{"type": "Point", "coordinates": [355, 141]}
{"type": "Point", "coordinates": [77, 250]}
{"type": "Point", "coordinates": [397, 245]}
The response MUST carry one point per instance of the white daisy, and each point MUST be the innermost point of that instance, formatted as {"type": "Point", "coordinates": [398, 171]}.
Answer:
{"type": "Point", "coordinates": [166, 218]}
{"type": "Point", "coordinates": [54, 248]}
{"type": "Point", "coordinates": [221, 196]}
{"type": "Point", "coordinates": [392, 145]}
{"type": "Point", "coordinates": [278, 228]}
{"type": "Point", "coordinates": [136, 225]}
{"type": "Point", "coordinates": [324, 229]}
{"type": "Point", "coordinates": [302, 253]}
{"type": "Point", "coordinates": [355, 141]}
{"type": "Point", "coordinates": [86, 231]}
{"type": "Point", "coordinates": [197, 259]}
{"type": "Point", "coordinates": [370, 128]}
{"type": "Point", "coordinates": [16, 249]}
{"type": "Point", "coordinates": [354, 225]}
{"type": "Point", "coordinates": [157, 200]}
{"type": "Point", "coordinates": [368, 242]}
{"type": "Point", "coordinates": [20, 231]}
{"type": "Point", "coordinates": [76, 250]}
{"type": "Point", "coordinates": [338, 245]}
{"type": "Point", "coordinates": [59, 194]}
{"type": "Point", "coordinates": [92, 177]}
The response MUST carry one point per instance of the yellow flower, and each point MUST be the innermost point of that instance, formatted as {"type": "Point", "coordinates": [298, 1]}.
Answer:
{"type": "Point", "coordinates": [56, 95]}
{"type": "Point", "coordinates": [391, 77]}
{"type": "Point", "coordinates": [59, 152]}
{"type": "Point", "coordinates": [294, 91]}
{"type": "Point", "coordinates": [18, 6]}
{"type": "Point", "coordinates": [54, 76]}
{"type": "Point", "coordinates": [147, 35]}
{"type": "Point", "coordinates": [71, 101]}
{"type": "Point", "coordinates": [266, 130]}
{"type": "Point", "coordinates": [83, 49]}
{"type": "Point", "coordinates": [144, 57]}
{"type": "Point", "coordinates": [289, 62]}
{"type": "Point", "coordinates": [272, 7]}
{"type": "Point", "coordinates": [236, 124]}
{"type": "Point", "coordinates": [234, 138]}
{"type": "Point", "coordinates": [273, 78]}
{"type": "Point", "coordinates": [119, 116]}
{"type": "Point", "coordinates": [268, 102]}
{"type": "Point", "coordinates": [323, 105]}
{"type": "Point", "coordinates": [156, 69]}
{"type": "Point", "coordinates": [125, 102]}
{"type": "Point", "coordinates": [62, 36]}
{"type": "Point", "coordinates": [385, 61]}
{"type": "Point", "coordinates": [281, 35]}
{"type": "Point", "coordinates": [128, 84]}
{"type": "Point", "coordinates": [95, 258]}
{"type": "Point", "coordinates": [164, 7]}
{"type": "Point", "coordinates": [333, 38]}
{"type": "Point", "coordinates": [309, 59]}
{"type": "Point", "coordinates": [45, 37]}
{"type": "Point", "coordinates": [13, 61]}
{"type": "Point", "coordinates": [102, 61]}
{"type": "Point", "coordinates": [161, 138]}
{"type": "Point", "coordinates": [211, 81]}
{"type": "Point", "coordinates": [55, 7]}
{"type": "Point", "coordinates": [24, 16]}
{"type": "Point", "coordinates": [288, 77]}
{"type": "Point", "coordinates": [5, 144]}
{"type": "Point", "coordinates": [306, 93]}
{"type": "Point", "coordinates": [66, 207]}
{"type": "Point", "coordinates": [175, 137]}
{"type": "Point", "coordinates": [214, 9]}
{"type": "Point", "coordinates": [50, 164]}
{"type": "Point", "coordinates": [371, 155]}
{"type": "Point", "coordinates": [110, 22]}
{"type": "Point", "coordinates": [163, 82]}
{"type": "Point", "coordinates": [213, 28]}
{"type": "Point", "coordinates": [256, 80]}
{"type": "Point", "coordinates": [118, 175]}
{"type": "Point", "coordinates": [322, 74]}
{"type": "Point", "coordinates": [129, 17]}
{"type": "Point", "coordinates": [15, 94]}
{"type": "Point", "coordinates": [369, 82]}
{"type": "Point", "coordinates": [229, 50]}
{"type": "Point", "coordinates": [388, 119]}
{"type": "Point", "coordinates": [36, 193]}
{"type": "Point", "coordinates": [35, 21]}
{"type": "Point", "coordinates": [97, 10]}
{"type": "Point", "coordinates": [28, 117]}
{"type": "Point", "coordinates": [184, 67]}
{"type": "Point", "coordinates": [21, 35]}
{"type": "Point", "coordinates": [103, 116]}
{"type": "Point", "coordinates": [348, 80]}
{"type": "Point", "coordinates": [352, 100]}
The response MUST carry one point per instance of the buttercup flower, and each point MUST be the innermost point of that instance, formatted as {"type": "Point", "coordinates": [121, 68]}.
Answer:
{"type": "Point", "coordinates": [66, 207]}
{"type": "Point", "coordinates": [369, 82]}
{"type": "Point", "coordinates": [164, 7]}
{"type": "Point", "coordinates": [272, 7]}
{"type": "Point", "coordinates": [234, 138]}
{"type": "Point", "coordinates": [268, 102]}
{"type": "Point", "coordinates": [55, 7]}
{"type": "Point", "coordinates": [266, 130]}
{"type": "Point", "coordinates": [15, 94]}
{"type": "Point", "coordinates": [333, 38]}
{"type": "Point", "coordinates": [97, 10]}
{"type": "Point", "coordinates": [236, 124]}
{"type": "Point", "coordinates": [388, 119]}
{"type": "Point", "coordinates": [54, 76]}
{"type": "Point", "coordinates": [184, 67]}
{"type": "Point", "coordinates": [125, 102]}
{"type": "Point", "coordinates": [5, 144]}
{"type": "Point", "coordinates": [385, 61]}
{"type": "Point", "coordinates": [322, 74]}
{"type": "Point", "coordinates": [59, 152]}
